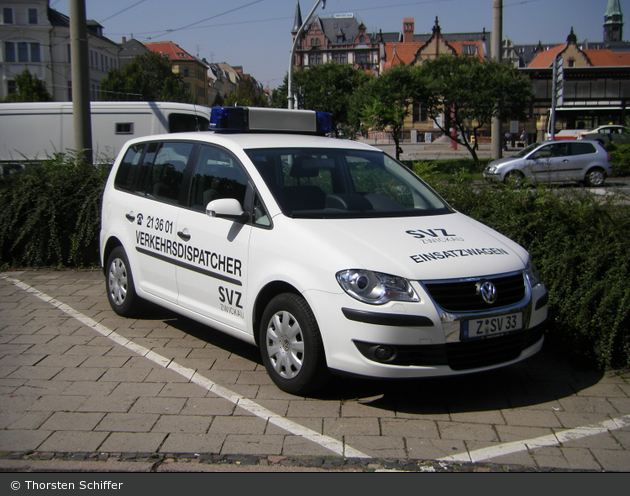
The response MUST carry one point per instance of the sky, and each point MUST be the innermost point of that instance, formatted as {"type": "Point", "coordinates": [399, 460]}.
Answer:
{"type": "Point", "coordinates": [256, 34]}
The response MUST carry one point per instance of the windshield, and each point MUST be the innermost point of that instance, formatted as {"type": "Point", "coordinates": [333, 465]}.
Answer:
{"type": "Point", "coordinates": [525, 151]}
{"type": "Point", "coordinates": [338, 183]}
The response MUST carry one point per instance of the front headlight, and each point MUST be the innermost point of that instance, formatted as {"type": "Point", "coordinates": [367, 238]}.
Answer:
{"type": "Point", "coordinates": [532, 274]}
{"type": "Point", "coordinates": [491, 169]}
{"type": "Point", "coordinates": [375, 288]}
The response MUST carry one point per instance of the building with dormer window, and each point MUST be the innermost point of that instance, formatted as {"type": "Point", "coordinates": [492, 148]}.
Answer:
{"type": "Point", "coordinates": [341, 38]}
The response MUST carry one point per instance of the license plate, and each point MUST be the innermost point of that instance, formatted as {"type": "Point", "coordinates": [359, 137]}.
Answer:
{"type": "Point", "coordinates": [490, 326]}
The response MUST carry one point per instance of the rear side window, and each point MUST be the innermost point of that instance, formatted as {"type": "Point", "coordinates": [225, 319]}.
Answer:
{"type": "Point", "coordinates": [582, 148]}
{"type": "Point", "coordinates": [129, 168]}
{"type": "Point", "coordinates": [155, 170]}
{"type": "Point", "coordinates": [167, 175]}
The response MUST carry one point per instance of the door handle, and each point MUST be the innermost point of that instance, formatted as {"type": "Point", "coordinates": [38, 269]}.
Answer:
{"type": "Point", "coordinates": [184, 235]}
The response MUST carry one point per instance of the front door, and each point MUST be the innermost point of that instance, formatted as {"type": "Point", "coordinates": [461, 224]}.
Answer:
{"type": "Point", "coordinates": [212, 276]}
{"type": "Point", "coordinates": [546, 163]}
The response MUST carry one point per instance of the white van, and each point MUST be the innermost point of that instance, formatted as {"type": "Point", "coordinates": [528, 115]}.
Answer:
{"type": "Point", "coordinates": [327, 254]}
{"type": "Point", "coordinates": [35, 131]}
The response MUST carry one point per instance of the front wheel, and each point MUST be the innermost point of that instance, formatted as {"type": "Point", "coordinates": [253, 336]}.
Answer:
{"type": "Point", "coordinates": [291, 345]}
{"type": "Point", "coordinates": [595, 177]}
{"type": "Point", "coordinates": [515, 177]}
{"type": "Point", "coordinates": [121, 292]}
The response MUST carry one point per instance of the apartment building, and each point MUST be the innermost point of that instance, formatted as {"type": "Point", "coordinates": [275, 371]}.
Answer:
{"type": "Point", "coordinates": [192, 70]}
{"type": "Point", "coordinates": [35, 37]}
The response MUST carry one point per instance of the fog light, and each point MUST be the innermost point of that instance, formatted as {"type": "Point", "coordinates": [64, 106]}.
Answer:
{"type": "Point", "coordinates": [384, 353]}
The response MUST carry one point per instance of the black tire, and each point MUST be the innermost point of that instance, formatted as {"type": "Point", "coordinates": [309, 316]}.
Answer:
{"type": "Point", "coordinates": [291, 345]}
{"type": "Point", "coordinates": [595, 177]}
{"type": "Point", "coordinates": [121, 292]}
{"type": "Point", "coordinates": [514, 176]}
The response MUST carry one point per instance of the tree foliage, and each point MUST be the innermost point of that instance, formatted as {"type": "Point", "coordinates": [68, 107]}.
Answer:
{"type": "Point", "coordinates": [385, 102]}
{"type": "Point", "coordinates": [28, 89]}
{"type": "Point", "coordinates": [328, 88]}
{"type": "Point", "coordinates": [147, 77]}
{"type": "Point", "coordinates": [469, 93]}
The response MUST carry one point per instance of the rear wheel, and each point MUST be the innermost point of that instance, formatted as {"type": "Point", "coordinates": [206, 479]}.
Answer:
{"type": "Point", "coordinates": [121, 292]}
{"type": "Point", "coordinates": [595, 177]}
{"type": "Point", "coordinates": [291, 345]}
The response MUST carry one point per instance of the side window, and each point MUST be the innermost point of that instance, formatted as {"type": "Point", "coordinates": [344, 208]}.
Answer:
{"type": "Point", "coordinates": [129, 173]}
{"type": "Point", "coordinates": [217, 175]}
{"type": "Point", "coordinates": [551, 151]}
{"type": "Point", "coordinates": [167, 174]}
{"type": "Point", "coordinates": [261, 217]}
{"type": "Point", "coordinates": [542, 153]}
{"type": "Point", "coordinates": [559, 150]}
{"type": "Point", "coordinates": [581, 148]}
{"type": "Point", "coordinates": [181, 123]}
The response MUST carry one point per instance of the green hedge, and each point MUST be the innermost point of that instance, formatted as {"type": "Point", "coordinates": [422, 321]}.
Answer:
{"type": "Point", "coordinates": [50, 214]}
{"type": "Point", "coordinates": [50, 217]}
{"type": "Point", "coordinates": [620, 158]}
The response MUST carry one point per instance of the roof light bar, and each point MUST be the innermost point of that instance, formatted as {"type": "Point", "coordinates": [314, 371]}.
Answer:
{"type": "Point", "coordinates": [269, 120]}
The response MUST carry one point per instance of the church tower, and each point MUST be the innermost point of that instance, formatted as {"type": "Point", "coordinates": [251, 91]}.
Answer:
{"type": "Point", "coordinates": [613, 22]}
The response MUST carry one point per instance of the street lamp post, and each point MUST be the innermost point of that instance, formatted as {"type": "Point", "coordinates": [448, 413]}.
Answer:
{"type": "Point", "coordinates": [291, 94]}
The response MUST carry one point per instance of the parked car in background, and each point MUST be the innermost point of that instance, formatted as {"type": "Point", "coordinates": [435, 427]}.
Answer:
{"type": "Point", "coordinates": [607, 134]}
{"type": "Point", "coordinates": [554, 161]}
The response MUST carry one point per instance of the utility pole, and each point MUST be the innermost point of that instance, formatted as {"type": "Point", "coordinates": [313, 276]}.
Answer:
{"type": "Point", "coordinates": [497, 35]}
{"type": "Point", "coordinates": [292, 97]}
{"type": "Point", "coordinates": [80, 80]}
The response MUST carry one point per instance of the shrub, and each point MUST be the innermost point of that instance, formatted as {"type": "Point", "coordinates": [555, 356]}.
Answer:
{"type": "Point", "coordinates": [50, 214]}
{"type": "Point", "coordinates": [579, 241]}
{"type": "Point", "coordinates": [620, 158]}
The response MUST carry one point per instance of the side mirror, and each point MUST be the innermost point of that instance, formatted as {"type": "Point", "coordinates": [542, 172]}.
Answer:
{"type": "Point", "coordinates": [227, 208]}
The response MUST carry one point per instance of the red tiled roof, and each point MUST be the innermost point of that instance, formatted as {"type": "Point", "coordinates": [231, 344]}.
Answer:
{"type": "Point", "coordinates": [400, 53]}
{"type": "Point", "coordinates": [173, 51]}
{"type": "Point", "coordinates": [459, 47]}
{"type": "Point", "coordinates": [597, 57]}
{"type": "Point", "coordinates": [546, 58]}
{"type": "Point", "coordinates": [608, 58]}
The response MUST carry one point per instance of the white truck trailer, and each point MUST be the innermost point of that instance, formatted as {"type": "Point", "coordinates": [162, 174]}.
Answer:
{"type": "Point", "coordinates": [35, 131]}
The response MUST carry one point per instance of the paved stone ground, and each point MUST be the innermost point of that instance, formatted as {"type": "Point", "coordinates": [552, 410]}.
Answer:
{"type": "Point", "coordinates": [83, 389]}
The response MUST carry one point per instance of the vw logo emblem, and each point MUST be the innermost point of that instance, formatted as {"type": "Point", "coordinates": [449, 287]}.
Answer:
{"type": "Point", "coordinates": [488, 292]}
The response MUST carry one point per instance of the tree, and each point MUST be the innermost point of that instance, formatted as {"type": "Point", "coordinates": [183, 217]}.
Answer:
{"type": "Point", "coordinates": [385, 102]}
{"type": "Point", "coordinates": [328, 88]}
{"type": "Point", "coordinates": [469, 93]}
{"type": "Point", "coordinates": [147, 77]}
{"type": "Point", "coordinates": [28, 89]}
{"type": "Point", "coordinates": [247, 94]}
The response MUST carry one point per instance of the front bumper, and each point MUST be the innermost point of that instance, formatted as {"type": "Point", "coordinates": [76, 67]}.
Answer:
{"type": "Point", "coordinates": [422, 339]}
{"type": "Point", "coordinates": [492, 176]}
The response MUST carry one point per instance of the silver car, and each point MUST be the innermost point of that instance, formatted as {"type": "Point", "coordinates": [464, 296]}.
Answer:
{"type": "Point", "coordinates": [554, 161]}
{"type": "Point", "coordinates": [608, 134]}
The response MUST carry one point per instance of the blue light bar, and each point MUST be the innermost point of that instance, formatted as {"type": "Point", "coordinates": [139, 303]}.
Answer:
{"type": "Point", "coordinates": [269, 120]}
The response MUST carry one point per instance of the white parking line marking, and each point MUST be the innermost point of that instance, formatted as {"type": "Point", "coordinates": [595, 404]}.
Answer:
{"type": "Point", "coordinates": [556, 439]}
{"type": "Point", "coordinates": [294, 428]}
